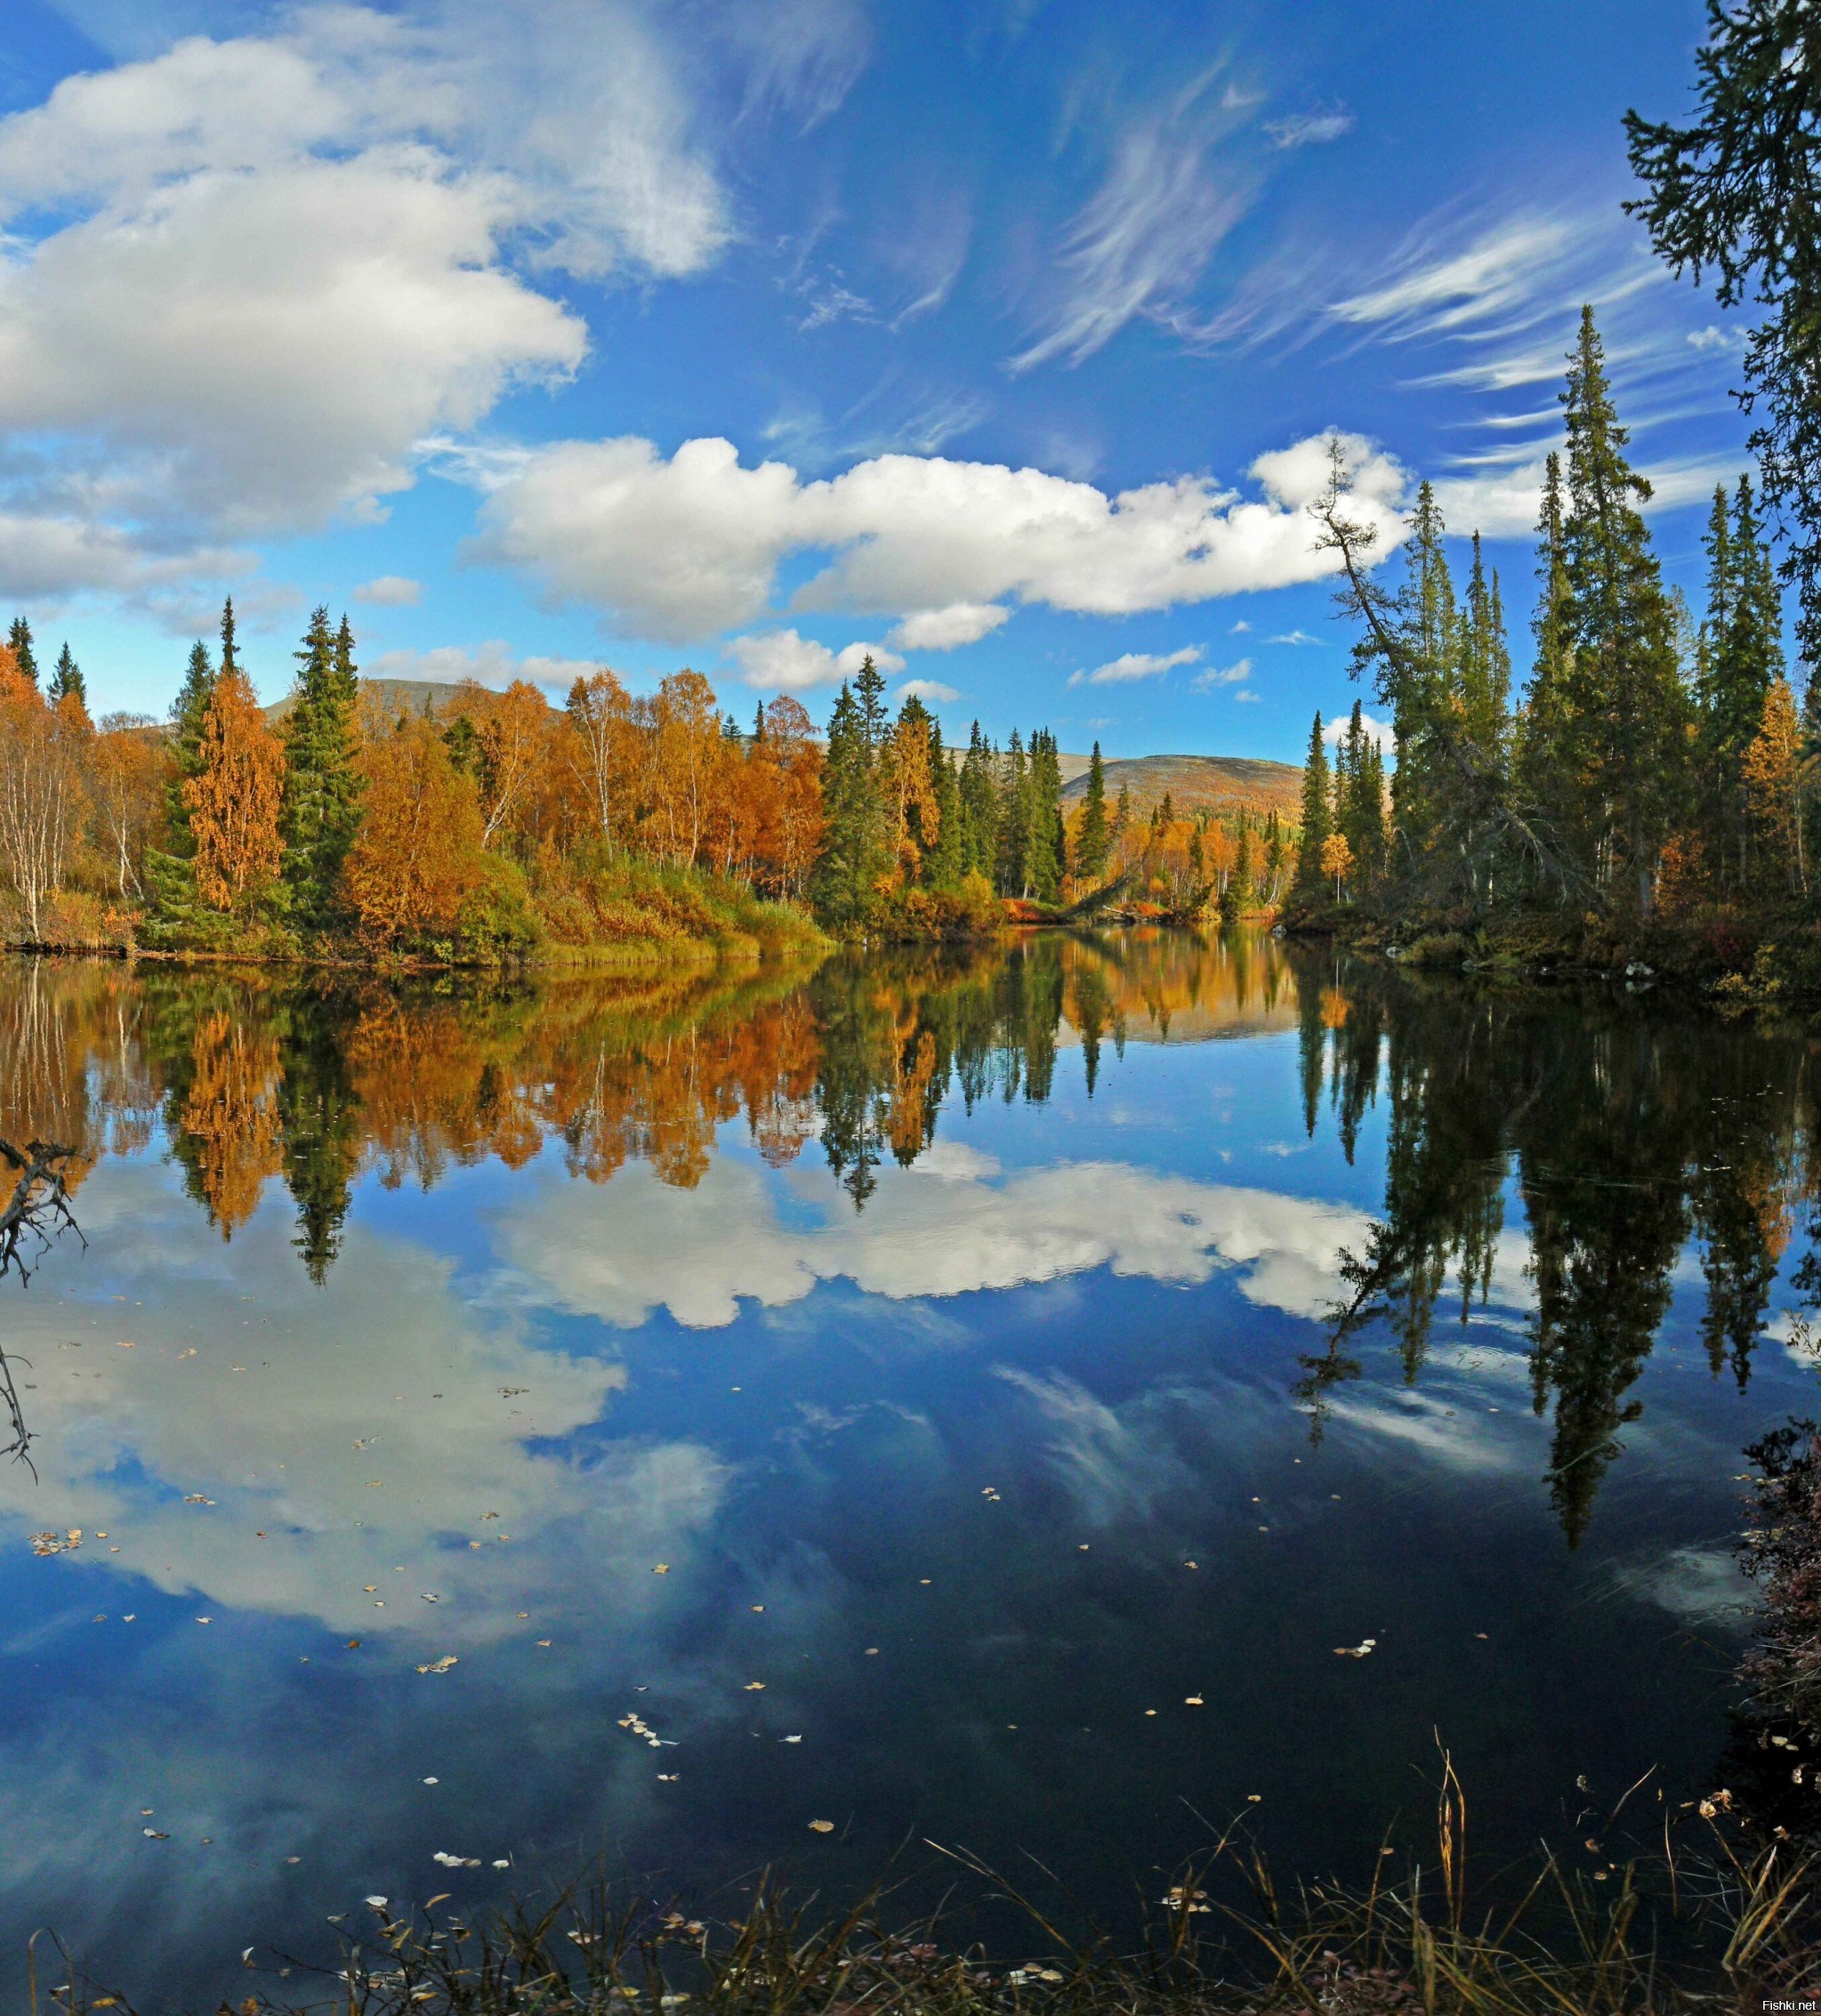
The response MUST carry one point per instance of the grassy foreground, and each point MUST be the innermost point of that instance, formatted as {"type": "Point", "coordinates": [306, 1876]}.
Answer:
{"type": "Point", "coordinates": [1724, 1932]}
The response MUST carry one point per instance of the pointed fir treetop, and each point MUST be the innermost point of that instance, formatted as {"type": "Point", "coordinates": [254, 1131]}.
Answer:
{"type": "Point", "coordinates": [67, 683]}
{"type": "Point", "coordinates": [230, 655]}
{"type": "Point", "coordinates": [19, 638]}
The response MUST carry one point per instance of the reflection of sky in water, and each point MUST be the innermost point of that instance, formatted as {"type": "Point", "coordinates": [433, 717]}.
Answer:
{"type": "Point", "coordinates": [519, 1394]}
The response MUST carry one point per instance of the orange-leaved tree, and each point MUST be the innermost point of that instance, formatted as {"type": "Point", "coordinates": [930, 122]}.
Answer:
{"type": "Point", "coordinates": [418, 856]}
{"type": "Point", "coordinates": [233, 799]}
{"type": "Point", "coordinates": [130, 763]}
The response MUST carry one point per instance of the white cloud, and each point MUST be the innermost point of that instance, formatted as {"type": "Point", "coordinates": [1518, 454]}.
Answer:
{"type": "Point", "coordinates": [1252, 697]}
{"type": "Point", "coordinates": [1308, 129]}
{"type": "Point", "coordinates": [792, 664]}
{"type": "Point", "coordinates": [390, 591]}
{"type": "Point", "coordinates": [942, 630]}
{"type": "Point", "coordinates": [1505, 502]}
{"type": "Point", "coordinates": [692, 545]}
{"type": "Point", "coordinates": [1439, 292]}
{"type": "Point", "coordinates": [1135, 664]}
{"type": "Point", "coordinates": [1216, 676]}
{"type": "Point", "coordinates": [1294, 637]}
{"type": "Point", "coordinates": [1712, 338]}
{"type": "Point", "coordinates": [1378, 731]}
{"type": "Point", "coordinates": [242, 280]}
{"type": "Point", "coordinates": [927, 690]}
{"type": "Point", "coordinates": [699, 1253]}
{"type": "Point", "coordinates": [490, 664]}
{"type": "Point", "coordinates": [1141, 241]}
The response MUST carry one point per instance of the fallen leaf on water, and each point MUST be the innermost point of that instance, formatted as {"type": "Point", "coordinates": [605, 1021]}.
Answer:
{"type": "Point", "coordinates": [544, 1642]}
{"type": "Point", "coordinates": [353, 1644]}
{"type": "Point", "coordinates": [1356, 1651]}
{"type": "Point", "coordinates": [152, 1834]}
{"type": "Point", "coordinates": [758, 1609]}
{"type": "Point", "coordinates": [821, 1827]}
{"type": "Point", "coordinates": [126, 1343]}
{"type": "Point", "coordinates": [754, 1686]}
{"type": "Point", "coordinates": [663, 1568]}
{"type": "Point", "coordinates": [1191, 1701]}
{"type": "Point", "coordinates": [439, 1666]}
{"type": "Point", "coordinates": [790, 1739]}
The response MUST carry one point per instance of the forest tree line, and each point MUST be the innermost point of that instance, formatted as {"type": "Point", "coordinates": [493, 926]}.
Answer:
{"type": "Point", "coordinates": [495, 821]}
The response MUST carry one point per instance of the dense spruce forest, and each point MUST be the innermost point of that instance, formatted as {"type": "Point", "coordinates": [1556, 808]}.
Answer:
{"type": "Point", "coordinates": [1652, 782]}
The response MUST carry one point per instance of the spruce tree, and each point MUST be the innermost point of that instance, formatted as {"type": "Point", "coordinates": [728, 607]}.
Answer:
{"type": "Point", "coordinates": [1317, 814]}
{"type": "Point", "coordinates": [1484, 661]}
{"type": "Point", "coordinates": [1739, 656]}
{"type": "Point", "coordinates": [67, 683]}
{"type": "Point", "coordinates": [1045, 848]}
{"type": "Point", "coordinates": [944, 864]}
{"type": "Point", "coordinates": [1012, 868]}
{"type": "Point", "coordinates": [1093, 844]}
{"type": "Point", "coordinates": [1541, 757]}
{"type": "Point", "coordinates": [230, 655]}
{"type": "Point", "coordinates": [979, 808]}
{"type": "Point", "coordinates": [322, 790]}
{"type": "Point", "coordinates": [1626, 703]}
{"type": "Point", "coordinates": [188, 711]}
{"type": "Point", "coordinates": [852, 861]}
{"type": "Point", "coordinates": [19, 638]}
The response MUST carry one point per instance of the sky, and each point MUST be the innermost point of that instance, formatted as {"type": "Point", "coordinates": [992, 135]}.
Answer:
{"type": "Point", "coordinates": [1000, 338]}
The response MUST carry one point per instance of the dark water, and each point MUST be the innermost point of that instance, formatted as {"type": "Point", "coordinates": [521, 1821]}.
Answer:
{"type": "Point", "coordinates": [979, 1354]}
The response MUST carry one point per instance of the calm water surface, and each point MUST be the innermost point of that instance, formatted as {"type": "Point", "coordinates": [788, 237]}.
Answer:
{"type": "Point", "coordinates": [888, 1386]}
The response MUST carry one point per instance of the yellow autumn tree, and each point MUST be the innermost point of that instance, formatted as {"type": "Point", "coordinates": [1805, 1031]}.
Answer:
{"type": "Point", "coordinates": [233, 799]}
{"type": "Point", "coordinates": [1777, 777]}
{"type": "Point", "coordinates": [1336, 859]}
{"type": "Point", "coordinates": [419, 854]}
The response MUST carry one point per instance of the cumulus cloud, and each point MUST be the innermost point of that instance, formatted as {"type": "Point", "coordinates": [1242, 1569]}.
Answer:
{"type": "Point", "coordinates": [942, 630]}
{"type": "Point", "coordinates": [927, 690]}
{"type": "Point", "coordinates": [1377, 731]}
{"type": "Point", "coordinates": [781, 660]}
{"type": "Point", "coordinates": [1217, 676]}
{"type": "Point", "coordinates": [390, 591]}
{"type": "Point", "coordinates": [1135, 664]}
{"type": "Point", "coordinates": [692, 545]}
{"type": "Point", "coordinates": [243, 279]}
{"type": "Point", "coordinates": [699, 1253]}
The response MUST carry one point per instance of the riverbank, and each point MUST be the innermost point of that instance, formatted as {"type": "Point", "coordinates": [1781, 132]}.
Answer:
{"type": "Point", "coordinates": [1723, 1927]}
{"type": "Point", "coordinates": [1763, 957]}
{"type": "Point", "coordinates": [635, 915]}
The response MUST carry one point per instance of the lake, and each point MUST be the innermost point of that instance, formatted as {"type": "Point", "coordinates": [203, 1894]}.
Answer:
{"type": "Point", "coordinates": [989, 1399]}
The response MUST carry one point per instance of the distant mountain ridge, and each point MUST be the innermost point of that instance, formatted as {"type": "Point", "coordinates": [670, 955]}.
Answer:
{"type": "Point", "coordinates": [1221, 784]}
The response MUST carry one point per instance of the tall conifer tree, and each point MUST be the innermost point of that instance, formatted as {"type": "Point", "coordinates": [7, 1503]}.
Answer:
{"type": "Point", "coordinates": [66, 682]}
{"type": "Point", "coordinates": [321, 812]}
{"type": "Point", "coordinates": [20, 640]}
{"type": "Point", "coordinates": [1092, 843]}
{"type": "Point", "coordinates": [1626, 703]}
{"type": "Point", "coordinates": [1318, 820]}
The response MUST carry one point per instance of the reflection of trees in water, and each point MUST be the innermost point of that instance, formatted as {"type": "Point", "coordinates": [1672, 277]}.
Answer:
{"type": "Point", "coordinates": [1627, 1132]}
{"type": "Point", "coordinates": [898, 1035]}
{"type": "Point", "coordinates": [259, 1074]}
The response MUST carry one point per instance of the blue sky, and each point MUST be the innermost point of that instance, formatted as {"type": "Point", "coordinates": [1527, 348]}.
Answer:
{"type": "Point", "coordinates": [999, 337]}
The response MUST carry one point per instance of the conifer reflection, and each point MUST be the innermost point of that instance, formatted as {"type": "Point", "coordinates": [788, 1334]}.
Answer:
{"type": "Point", "coordinates": [1625, 1129]}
